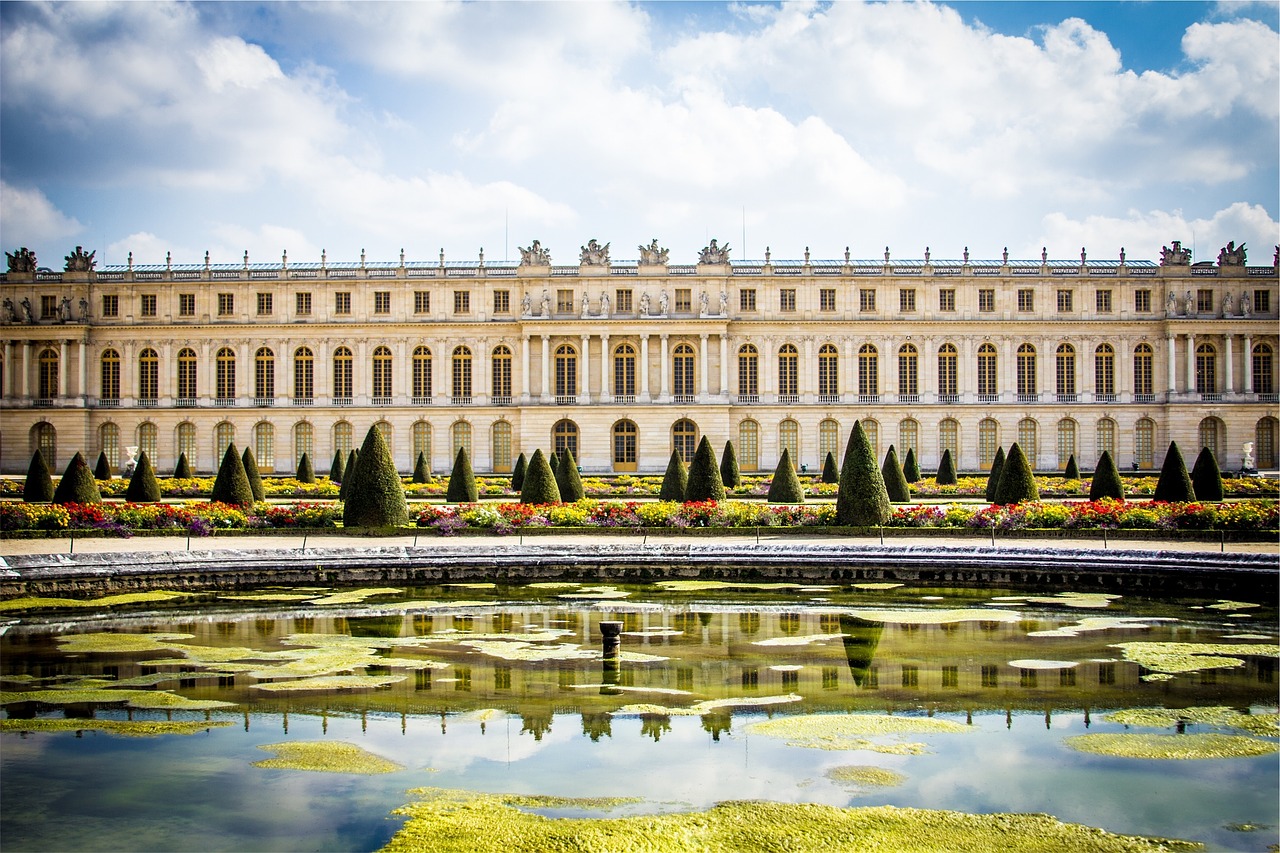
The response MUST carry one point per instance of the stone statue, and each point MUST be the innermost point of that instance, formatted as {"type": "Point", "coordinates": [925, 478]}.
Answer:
{"type": "Point", "coordinates": [10, 312]}
{"type": "Point", "coordinates": [703, 302]}
{"type": "Point", "coordinates": [846, 255]}
{"type": "Point", "coordinates": [886, 254]}
{"type": "Point", "coordinates": [1246, 461]}
{"type": "Point", "coordinates": [653, 255]}
{"type": "Point", "coordinates": [84, 310]}
{"type": "Point", "coordinates": [1172, 303]}
{"type": "Point", "coordinates": [535, 255]}
{"type": "Point", "coordinates": [526, 306]}
{"type": "Point", "coordinates": [546, 304]}
{"type": "Point", "coordinates": [604, 303]}
{"type": "Point", "coordinates": [27, 314]}
{"type": "Point", "coordinates": [594, 255]}
{"type": "Point", "coordinates": [663, 302]}
{"type": "Point", "coordinates": [1122, 254]}
{"type": "Point", "coordinates": [131, 463]}
{"type": "Point", "coordinates": [1226, 305]}
{"type": "Point", "coordinates": [64, 309]}
{"type": "Point", "coordinates": [78, 261]}
{"type": "Point", "coordinates": [23, 260]}
{"type": "Point", "coordinates": [1005, 256]}
{"type": "Point", "coordinates": [1246, 304]}
{"type": "Point", "coordinates": [586, 304]}
{"type": "Point", "coordinates": [1231, 256]}
{"type": "Point", "coordinates": [1186, 304]}
{"type": "Point", "coordinates": [966, 254]}
{"type": "Point", "coordinates": [1044, 254]}
{"type": "Point", "coordinates": [1082, 256]}
{"type": "Point", "coordinates": [644, 304]}
{"type": "Point", "coordinates": [1275, 259]}
{"type": "Point", "coordinates": [1176, 256]}
{"type": "Point", "coordinates": [714, 254]}
{"type": "Point", "coordinates": [724, 303]}
{"type": "Point", "coordinates": [927, 254]}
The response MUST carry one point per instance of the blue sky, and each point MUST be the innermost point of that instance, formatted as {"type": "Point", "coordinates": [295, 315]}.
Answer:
{"type": "Point", "coordinates": [225, 127]}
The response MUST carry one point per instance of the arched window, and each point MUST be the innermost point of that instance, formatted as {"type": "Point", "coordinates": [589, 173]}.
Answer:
{"type": "Point", "coordinates": [1206, 369]}
{"type": "Point", "coordinates": [264, 376]}
{"type": "Point", "coordinates": [1027, 373]}
{"type": "Point", "coordinates": [949, 439]}
{"type": "Point", "coordinates": [342, 437]}
{"type": "Point", "coordinates": [789, 440]}
{"type": "Point", "coordinates": [421, 436]}
{"type": "Point", "coordinates": [225, 378]}
{"type": "Point", "coordinates": [908, 437]}
{"type": "Point", "coordinates": [788, 374]}
{"type": "Point", "coordinates": [1066, 373]}
{"type": "Point", "coordinates": [829, 440]}
{"type": "Point", "coordinates": [748, 374]}
{"type": "Point", "coordinates": [1264, 443]}
{"type": "Point", "coordinates": [684, 439]}
{"type": "Point", "coordinates": [304, 441]}
{"type": "Point", "coordinates": [1029, 441]}
{"type": "Point", "coordinates": [223, 434]}
{"type": "Point", "coordinates": [988, 389]}
{"type": "Point", "coordinates": [1211, 430]}
{"type": "Point", "coordinates": [109, 443]}
{"type": "Point", "coordinates": [682, 384]}
{"type": "Point", "coordinates": [382, 370]}
{"type": "Point", "coordinates": [421, 377]}
{"type": "Point", "coordinates": [460, 436]}
{"type": "Point", "coordinates": [748, 449]}
{"type": "Point", "coordinates": [388, 434]}
{"type": "Point", "coordinates": [342, 375]}
{"type": "Point", "coordinates": [566, 375]}
{"type": "Point", "coordinates": [625, 441]}
{"type": "Point", "coordinates": [1263, 370]}
{"type": "Point", "coordinates": [564, 434]}
{"type": "Point", "coordinates": [988, 442]}
{"type": "Point", "coordinates": [304, 376]}
{"type": "Point", "coordinates": [501, 447]}
{"type": "Point", "coordinates": [1066, 442]}
{"type": "Point", "coordinates": [109, 388]}
{"type": "Point", "coordinates": [868, 372]}
{"type": "Point", "coordinates": [48, 375]}
{"type": "Point", "coordinates": [1142, 376]}
{"type": "Point", "coordinates": [1107, 438]}
{"type": "Point", "coordinates": [148, 442]}
{"type": "Point", "coordinates": [1144, 443]}
{"type": "Point", "coordinates": [187, 372]}
{"type": "Point", "coordinates": [45, 439]}
{"type": "Point", "coordinates": [908, 373]}
{"type": "Point", "coordinates": [460, 388]}
{"type": "Point", "coordinates": [1104, 373]}
{"type": "Point", "coordinates": [947, 383]}
{"type": "Point", "coordinates": [500, 384]}
{"type": "Point", "coordinates": [187, 444]}
{"type": "Point", "coordinates": [624, 373]}
{"type": "Point", "coordinates": [872, 429]}
{"type": "Point", "coordinates": [828, 374]}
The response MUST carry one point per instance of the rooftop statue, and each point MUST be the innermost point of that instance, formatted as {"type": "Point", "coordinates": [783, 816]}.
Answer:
{"type": "Point", "coordinates": [23, 260]}
{"type": "Point", "coordinates": [714, 254]}
{"type": "Point", "coordinates": [1231, 256]}
{"type": "Point", "coordinates": [1175, 257]}
{"type": "Point", "coordinates": [595, 255]}
{"type": "Point", "coordinates": [535, 255]}
{"type": "Point", "coordinates": [78, 261]}
{"type": "Point", "coordinates": [652, 255]}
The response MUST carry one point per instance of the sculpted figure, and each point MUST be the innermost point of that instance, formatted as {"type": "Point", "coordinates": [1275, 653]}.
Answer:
{"type": "Point", "coordinates": [27, 314]}
{"type": "Point", "coordinates": [78, 261]}
{"type": "Point", "coordinates": [713, 253]}
{"type": "Point", "coordinates": [1231, 255]}
{"type": "Point", "coordinates": [644, 304]}
{"type": "Point", "coordinates": [23, 260]}
{"type": "Point", "coordinates": [1246, 304]}
{"type": "Point", "coordinates": [10, 312]}
{"type": "Point", "coordinates": [1226, 305]}
{"type": "Point", "coordinates": [663, 302]}
{"type": "Point", "coordinates": [604, 303]}
{"type": "Point", "coordinates": [84, 310]}
{"type": "Point", "coordinates": [653, 255]}
{"type": "Point", "coordinates": [1186, 303]}
{"type": "Point", "coordinates": [535, 255]}
{"type": "Point", "coordinates": [586, 303]}
{"type": "Point", "coordinates": [1172, 303]}
{"type": "Point", "coordinates": [546, 304]}
{"type": "Point", "coordinates": [64, 309]}
{"type": "Point", "coordinates": [526, 305]}
{"type": "Point", "coordinates": [703, 301]}
{"type": "Point", "coordinates": [724, 302]}
{"type": "Point", "coordinates": [593, 254]}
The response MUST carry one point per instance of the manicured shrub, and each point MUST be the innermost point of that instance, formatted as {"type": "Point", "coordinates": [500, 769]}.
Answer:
{"type": "Point", "coordinates": [38, 487]}
{"type": "Point", "coordinates": [675, 481]}
{"type": "Point", "coordinates": [862, 500]}
{"type": "Point", "coordinates": [182, 471]}
{"type": "Point", "coordinates": [993, 478]}
{"type": "Point", "coordinates": [1106, 479]}
{"type": "Point", "coordinates": [1174, 483]}
{"type": "Point", "coordinates": [143, 488]}
{"type": "Point", "coordinates": [554, 461]}
{"type": "Point", "coordinates": [568, 480]}
{"type": "Point", "coordinates": [421, 470]}
{"type": "Point", "coordinates": [306, 474]}
{"type": "Point", "coordinates": [78, 485]}
{"type": "Point", "coordinates": [231, 486]}
{"type": "Point", "coordinates": [946, 470]}
{"type": "Point", "coordinates": [785, 488]}
{"type": "Point", "coordinates": [1206, 479]}
{"type": "Point", "coordinates": [517, 473]}
{"type": "Point", "coordinates": [539, 486]}
{"type": "Point", "coordinates": [251, 471]}
{"type": "Point", "coordinates": [730, 475]}
{"type": "Point", "coordinates": [911, 466]}
{"type": "Point", "coordinates": [347, 473]}
{"type": "Point", "coordinates": [462, 481]}
{"type": "Point", "coordinates": [830, 470]}
{"type": "Point", "coordinates": [102, 470]}
{"type": "Point", "coordinates": [1072, 471]}
{"type": "Point", "coordinates": [375, 496]}
{"type": "Point", "coordinates": [1017, 482]}
{"type": "Point", "coordinates": [895, 483]}
{"type": "Point", "coordinates": [336, 467]}
{"type": "Point", "coordinates": [705, 483]}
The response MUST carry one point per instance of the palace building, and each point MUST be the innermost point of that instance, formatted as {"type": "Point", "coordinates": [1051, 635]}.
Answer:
{"type": "Point", "coordinates": [625, 362]}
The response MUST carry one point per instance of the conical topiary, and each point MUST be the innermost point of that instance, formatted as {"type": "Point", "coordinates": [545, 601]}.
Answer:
{"type": "Point", "coordinates": [78, 485]}
{"type": "Point", "coordinates": [568, 480]}
{"type": "Point", "coordinates": [1017, 482]}
{"type": "Point", "coordinates": [1106, 481]}
{"type": "Point", "coordinates": [1072, 471]}
{"type": "Point", "coordinates": [517, 473]}
{"type": "Point", "coordinates": [911, 466]}
{"type": "Point", "coordinates": [539, 486]}
{"type": "Point", "coordinates": [704, 483]}
{"type": "Point", "coordinates": [143, 488]}
{"type": "Point", "coordinates": [946, 475]}
{"type": "Point", "coordinates": [336, 467]}
{"type": "Point", "coordinates": [675, 480]}
{"type": "Point", "coordinates": [1174, 484]}
{"type": "Point", "coordinates": [375, 496]}
{"type": "Point", "coordinates": [554, 461]}
{"type": "Point", "coordinates": [1206, 479]}
{"type": "Point", "coordinates": [38, 487]}
{"type": "Point", "coordinates": [730, 475]}
{"type": "Point", "coordinates": [785, 487]}
{"type": "Point", "coordinates": [347, 473]}
{"type": "Point", "coordinates": [306, 474]}
{"type": "Point", "coordinates": [182, 471]}
{"type": "Point", "coordinates": [421, 470]}
{"type": "Point", "coordinates": [251, 471]}
{"type": "Point", "coordinates": [862, 500]}
{"type": "Point", "coordinates": [993, 478]}
{"type": "Point", "coordinates": [102, 470]}
{"type": "Point", "coordinates": [462, 481]}
{"type": "Point", "coordinates": [895, 484]}
{"type": "Point", "coordinates": [231, 486]}
{"type": "Point", "coordinates": [830, 470]}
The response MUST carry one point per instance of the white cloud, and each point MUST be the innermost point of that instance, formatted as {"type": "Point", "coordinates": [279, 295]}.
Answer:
{"type": "Point", "coordinates": [1104, 235]}
{"type": "Point", "coordinates": [28, 217]}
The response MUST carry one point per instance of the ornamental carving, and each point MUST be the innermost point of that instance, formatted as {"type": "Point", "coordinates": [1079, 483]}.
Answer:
{"type": "Point", "coordinates": [594, 255]}
{"type": "Point", "coordinates": [78, 261]}
{"type": "Point", "coordinates": [1231, 255]}
{"type": "Point", "coordinates": [23, 260]}
{"type": "Point", "coordinates": [535, 255]}
{"type": "Point", "coordinates": [653, 255]}
{"type": "Point", "coordinates": [714, 254]}
{"type": "Point", "coordinates": [1175, 257]}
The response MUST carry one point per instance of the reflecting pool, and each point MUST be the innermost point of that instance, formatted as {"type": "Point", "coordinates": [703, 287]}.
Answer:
{"type": "Point", "coordinates": [190, 723]}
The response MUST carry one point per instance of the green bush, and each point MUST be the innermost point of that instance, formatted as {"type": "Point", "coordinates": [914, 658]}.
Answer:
{"type": "Point", "coordinates": [143, 488]}
{"type": "Point", "coordinates": [911, 466]}
{"type": "Point", "coordinates": [993, 477]}
{"type": "Point", "coordinates": [895, 482]}
{"type": "Point", "coordinates": [830, 471]}
{"type": "Point", "coordinates": [861, 500]}
{"type": "Point", "coordinates": [946, 470]}
{"type": "Point", "coordinates": [336, 467]}
{"type": "Point", "coordinates": [1017, 482]}
{"type": "Point", "coordinates": [730, 475]}
{"type": "Point", "coordinates": [675, 481]}
{"type": "Point", "coordinates": [554, 461]}
{"type": "Point", "coordinates": [38, 487]}
{"type": "Point", "coordinates": [251, 471]}
{"type": "Point", "coordinates": [306, 474]}
{"type": "Point", "coordinates": [568, 480]}
{"type": "Point", "coordinates": [375, 496]}
{"type": "Point", "coordinates": [1072, 471]}
{"type": "Point", "coordinates": [421, 470]}
{"type": "Point", "coordinates": [1106, 481]}
{"type": "Point", "coordinates": [517, 473]}
{"type": "Point", "coordinates": [231, 486]}
{"type": "Point", "coordinates": [102, 470]}
{"type": "Point", "coordinates": [539, 486]}
{"type": "Point", "coordinates": [182, 471]}
{"type": "Point", "coordinates": [1206, 479]}
{"type": "Point", "coordinates": [785, 487]}
{"type": "Point", "coordinates": [705, 483]}
{"type": "Point", "coordinates": [78, 485]}
{"type": "Point", "coordinates": [462, 481]}
{"type": "Point", "coordinates": [347, 473]}
{"type": "Point", "coordinates": [1174, 483]}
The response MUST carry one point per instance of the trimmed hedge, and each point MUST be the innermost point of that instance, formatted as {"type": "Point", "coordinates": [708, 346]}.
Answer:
{"type": "Point", "coordinates": [895, 483]}
{"type": "Point", "coordinates": [1174, 484]}
{"type": "Point", "coordinates": [251, 471]}
{"type": "Point", "coordinates": [675, 480]}
{"type": "Point", "coordinates": [38, 487]}
{"type": "Point", "coordinates": [830, 471]}
{"type": "Point", "coordinates": [336, 468]}
{"type": "Point", "coordinates": [78, 485]}
{"type": "Point", "coordinates": [306, 474]}
{"type": "Point", "coordinates": [705, 483]}
{"type": "Point", "coordinates": [539, 486]}
{"type": "Point", "coordinates": [568, 480]}
{"type": "Point", "coordinates": [911, 467]}
{"type": "Point", "coordinates": [182, 471]}
{"type": "Point", "coordinates": [375, 496]}
{"type": "Point", "coordinates": [730, 475]}
{"type": "Point", "coordinates": [862, 500]}
{"type": "Point", "coordinates": [231, 486]}
{"type": "Point", "coordinates": [1072, 471]}
{"type": "Point", "coordinates": [1206, 479]}
{"type": "Point", "coordinates": [102, 470]}
{"type": "Point", "coordinates": [785, 487]}
{"type": "Point", "coordinates": [517, 474]}
{"type": "Point", "coordinates": [1106, 481]}
{"type": "Point", "coordinates": [946, 475]}
{"type": "Point", "coordinates": [993, 478]}
{"type": "Point", "coordinates": [1017, 481]}
{"type": "Point", "coordinates": [347, 473]}
{"type": "Point", "coordinates": [143, 488]}
{"type": "Point", "coordinates": [421, 470]}
{"type": "Point", "coordinates": [462, 480]}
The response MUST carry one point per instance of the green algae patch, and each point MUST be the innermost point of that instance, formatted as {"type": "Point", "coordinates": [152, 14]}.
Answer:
{"type": "Point", "coordinates": [1176, 658]}
{"type": "Point", "coordinates": [128, 728]}
{"type": "Point", "coordinates": [158, 596]}
{"type": "Point", "coordinates": [1102, 623]}
{"type": "Point", "coordinates": [332, 682]}
{"type": "Point", "coordinates": [1266, 725]}
{"type": "Point", "coordinates": [121, 643]}
{"type": "Point", "coordinates": [854, 731]}
{"type": "Point", "coordinates": [268, 596]}
{"type": "Point", "coordinates": [325, 757]}
{"type": "Point", "coordinates": [355, 596]}
{"type": "Point", "coordinates": [707, 707]}
{"type": "Point", "coordinates": [1173, 747]}
{"type": "Point", "coordinates": [479, 585]}
{"type": "Point", "coordinates": [703, 586]}
{"type": "Point", "coordinates": [876, 585]}
{"type": "Point", "coordinates": [143, 700]}
{"type": "Point", "coordinates": [1043, 664]}
{"type": "Point", "coordinates": [1226, 604]}
{"type": "Point", "coordinates": [866, 776]}
{"type": "Point", "coordinates": [448, 821]}
{"type": "Point", "coordinates": [596, 593]}
{"type": "Point", "coordinates": [935, 617]}
{"type": "Point", "coordinates": [806, 640]}
{"type": "Point", "coordinates": [554, 585]}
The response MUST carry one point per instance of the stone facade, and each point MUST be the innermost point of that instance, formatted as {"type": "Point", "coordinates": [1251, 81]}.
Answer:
{"type": "Point", "coordinates": [625, 361]}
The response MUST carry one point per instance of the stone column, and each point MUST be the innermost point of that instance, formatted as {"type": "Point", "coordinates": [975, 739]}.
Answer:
{"type": "Point", "coordinates": [768, 365]}
{"type": "Point", "coordinates": [244, 370]}
{"type": "Point", "coordinates": [849, 384]}
{"type": "Point", "coordinates": [26, 370]}
{"type": "Point", "coordinates": [404, 385]}
{"type": "Point", "coordinates": [64, 350]}
{"type": "Point", "coordinates": [642, 369]}
{"type": "Point", "coordinates": [804, 387]}
{"type": "Point", "coordinates": [703, 360]}
{"type": "Point", "coordinates": [484, 360]}
{"type": "Point", "coordinates": [546, 369]}
{"type": "Point", "coordinates": [360, 377]}
{"type": "Point", "coordinates": [967, 373]}
{"type": "Point", "coordinates": [584, 375]}
{"type": "Point", "coordinates": [1171, 343]}
{"type": "Point", "coordinates": [83, 390]}
{"type": "Point", "coordinates": [1229, 383]}
{"type": "Point", "coordinates": [606, 392]}
{"type": "Point", "coordinates": [1010, 369]}
{"type": "Point", "coordinates": [1248, 363]}
{"type": "Point", "coordinates": [166, 372]}
{"type": "Point", "coordinates": [1191, 364]}
{"type": "Point", "coordinates": [10, 369]}
{"type": "Point", "coordinates": [925, 370]}
{"type": "Point", "coordinates": [664, 388]}
{"type": "Point", "coordinates": [129, 375]}
{"type": "Point", "coordinates": [724, 367]}
{"type": "Point", "coordinates": [524, 368]}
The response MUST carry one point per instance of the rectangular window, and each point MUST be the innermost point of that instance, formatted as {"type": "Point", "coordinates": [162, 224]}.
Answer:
{"type": "Point", "coordinates": [1262, 301]}
{"type": "Point", "coordinates": [622, 299]}
{"type": "Point", "coordinates": [827, 299]}
{"type": "Point", "coordinates": [787, 299]}
{"type": "Point", "coordinates": [501, 301]}
{"type": "Point", "coordinates": [422, 302]}
{"type": "Point", "coordinates": [1066, 301]}
{"type": "Point", "coordinates": [342, 302]}
{"type": "Point", "coordinates": [946, 300]}
{"type": "Point", "coordinates": [186, 305]}
{"type": "Point", "coordinates": [462, 302]}
{"type": "Point", "coordinates": [148, 307]}
{"type": "Point", "coordinates": [226, 304]}
{"type": "Point", "coordinates": [1102, 301]}
{"type": "Point", "coordinates": [986, 300]}
{"type": "Point", "coordinates": [1026, 300]}
{"type": "Point", "coordinates": [747, 299]}
{"type": "Point", "coordinates": [266, 304]}
{"type": "Point", "coordinates": [48, 307]}
{"type": "Point", "coordinates": [1142, 301]}
{"type": "Point", "coordinates": [684, 299]}
{"type": "Point", "coordinates": [564, 301]}
{"type": "Point", "coordinates": [866, 299]}
{"type": "Point", "coordinates": [110, 305]}
{"type": "Point", "coordinates": [382, 302]}
{"type": "Point", "coordinates": [1204, 301]}
{"type": "Point", "coordinates": [302, 304]}
{"type": "Point", "coordinates": [906, 299]}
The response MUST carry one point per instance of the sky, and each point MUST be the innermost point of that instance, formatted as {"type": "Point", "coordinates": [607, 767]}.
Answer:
{"type": "Point", "coordinates": [151, 128]}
